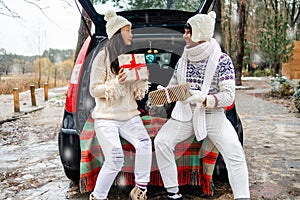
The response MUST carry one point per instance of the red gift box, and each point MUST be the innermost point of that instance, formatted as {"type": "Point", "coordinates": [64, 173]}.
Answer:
{"type": "Point", "coordinates": [134, 66]}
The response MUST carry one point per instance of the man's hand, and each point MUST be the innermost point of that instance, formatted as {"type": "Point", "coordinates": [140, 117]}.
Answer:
{"type": "Point", "coordinates": [197, 97]}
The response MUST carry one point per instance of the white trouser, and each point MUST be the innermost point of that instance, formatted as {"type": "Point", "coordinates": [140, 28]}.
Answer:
{"type": "Point", "coordinates": [108, 132]}
{"type": "Point", "coordinates": [223, 136]}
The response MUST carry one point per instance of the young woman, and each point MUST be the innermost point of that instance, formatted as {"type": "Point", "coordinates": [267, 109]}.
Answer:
{"type": "Point", "coordinates": [116, 112]}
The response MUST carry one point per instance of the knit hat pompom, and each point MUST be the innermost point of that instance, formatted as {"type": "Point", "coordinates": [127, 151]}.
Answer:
{"type": "Point", "coordinates": [212, 14]}
{"type": "Point", "coordinates": [114, 22]}
{"type": "Point", "coordinates": [109, 14]}
{"type": "Point", "coordinates": [203, 26]}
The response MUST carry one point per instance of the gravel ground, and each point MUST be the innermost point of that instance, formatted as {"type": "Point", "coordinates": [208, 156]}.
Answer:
{"type": "Point", "coordinates": [31, 169]}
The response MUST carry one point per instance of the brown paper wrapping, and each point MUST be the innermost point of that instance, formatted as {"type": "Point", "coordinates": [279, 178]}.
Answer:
{"type": "Point", "coordinates": [176, 93]}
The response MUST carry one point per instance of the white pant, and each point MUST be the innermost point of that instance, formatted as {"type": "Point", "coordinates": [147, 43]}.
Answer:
{"type": "Point", "coordinates": [108, 132]}
{"type": "Point", "coordinates": [223, 136]}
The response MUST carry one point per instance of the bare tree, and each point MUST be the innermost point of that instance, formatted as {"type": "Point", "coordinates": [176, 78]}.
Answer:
{"type": "Point", "coordinates": [240, 41]}
{"type": "Point", "coordinates": [6, 60]}
{"type": "Point", "coordinates": [227, 27]}
{"type": "Point", "coordinates": [292, 8]}
{"type": "Point", "coordinates": [7, 11]}
{"type": "Point", "coordinates": [218, 31]}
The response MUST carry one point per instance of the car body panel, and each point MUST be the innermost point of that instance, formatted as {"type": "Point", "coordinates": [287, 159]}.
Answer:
{"type": "Point", "coordinates": [71, 99]}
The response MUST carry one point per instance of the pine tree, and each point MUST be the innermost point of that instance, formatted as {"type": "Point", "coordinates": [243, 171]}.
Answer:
{"type": "Point", "coordinates": [274, 44]}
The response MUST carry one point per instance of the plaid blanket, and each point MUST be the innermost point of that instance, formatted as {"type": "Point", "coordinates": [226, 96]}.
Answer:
{"type": "Point", "coordinates": [195, 160]}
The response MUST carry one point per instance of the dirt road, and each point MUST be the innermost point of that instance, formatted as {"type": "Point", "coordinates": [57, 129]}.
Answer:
{"type": "Point", "coordinates": [31, 169]}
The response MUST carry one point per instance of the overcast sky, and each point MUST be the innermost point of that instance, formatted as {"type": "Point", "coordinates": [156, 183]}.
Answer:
{"type": "Point", "coordinates": [35, 31]}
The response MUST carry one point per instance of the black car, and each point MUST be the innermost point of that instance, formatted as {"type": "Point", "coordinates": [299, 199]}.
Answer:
{"type": "Point", "coordinates": [158, 35]}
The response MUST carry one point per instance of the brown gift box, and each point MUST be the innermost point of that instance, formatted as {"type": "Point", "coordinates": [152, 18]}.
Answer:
{"type": "Point", "coordinates": [170, 94]}
{"type": "Point", "coordinates": [134, 66]}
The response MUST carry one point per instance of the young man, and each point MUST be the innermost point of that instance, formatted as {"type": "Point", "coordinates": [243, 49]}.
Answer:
{"type": "Point", "coordinates": [212, 86]}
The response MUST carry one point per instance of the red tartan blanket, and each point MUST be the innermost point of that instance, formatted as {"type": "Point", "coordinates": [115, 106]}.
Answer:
{"type": "Point", "coordinates": [195, 160]}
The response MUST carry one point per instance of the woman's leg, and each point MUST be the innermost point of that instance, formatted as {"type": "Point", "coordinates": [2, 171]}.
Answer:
{"type": "Point", "coordinates": [135, 133]}
{"type": "Point", "coordinates": [172, 133]}
{"type": "Point", "coordinates": [108, 136]}
{"type": "Point", "coordinates": [223, 135]}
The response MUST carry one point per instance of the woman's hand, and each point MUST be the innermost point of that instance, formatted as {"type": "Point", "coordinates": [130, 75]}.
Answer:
{"type": "Point", "coordinates": [121, 76]}
{"type": "Point", "coordinates": [148, 74]}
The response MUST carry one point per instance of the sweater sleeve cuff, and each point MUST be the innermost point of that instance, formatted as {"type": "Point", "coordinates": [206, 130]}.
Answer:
{"type": "Point", "coordinates": [140, 89]}
{"type": "Point", "coordinates": [114, 90]}
{"type": "Point", "coordinates": [211, 101]}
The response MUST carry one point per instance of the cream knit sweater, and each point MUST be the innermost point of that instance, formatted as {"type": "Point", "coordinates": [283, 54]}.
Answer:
{"type": "Point", "coordinates": [113, 100]}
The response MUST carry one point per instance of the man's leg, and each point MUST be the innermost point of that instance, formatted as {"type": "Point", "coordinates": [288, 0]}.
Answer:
{"type": "Point", "coordinates": [223, 135]}
{"type": "Point", "coordinates": [172, 133]}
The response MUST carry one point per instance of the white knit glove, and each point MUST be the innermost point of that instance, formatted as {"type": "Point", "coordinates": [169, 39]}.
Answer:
{"type": "Point", "coordinates": [197, 97]}
{"type": "Point", "coordinates": [160, 87]}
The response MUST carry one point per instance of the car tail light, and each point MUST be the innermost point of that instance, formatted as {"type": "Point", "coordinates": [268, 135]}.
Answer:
{"type": "Point", "coordinates": [72, 93]}
{"type": "Point", "coordinates": [229, 107]}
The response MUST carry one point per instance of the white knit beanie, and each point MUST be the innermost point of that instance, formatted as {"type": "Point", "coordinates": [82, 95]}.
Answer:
{"type": "Point", "coordinates": [203, 26]}
{"type": "Point", "coordinates": [114, 22]}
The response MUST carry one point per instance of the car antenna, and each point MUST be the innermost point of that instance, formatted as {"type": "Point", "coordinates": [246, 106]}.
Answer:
{"type": "Point", "coordinates": [83, 19]}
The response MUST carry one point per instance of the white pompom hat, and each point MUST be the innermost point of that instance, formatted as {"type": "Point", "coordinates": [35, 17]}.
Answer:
{"type": "Point", "coordinates": [203, 26]}
{"type": "Point", "coordinates": [114, 22]}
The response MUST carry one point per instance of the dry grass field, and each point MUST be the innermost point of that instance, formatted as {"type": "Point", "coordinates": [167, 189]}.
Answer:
{"type": "Point", "coordinates": [23, 82]}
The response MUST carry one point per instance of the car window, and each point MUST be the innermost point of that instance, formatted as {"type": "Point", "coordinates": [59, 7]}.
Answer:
{"type": "Point", "coordinates": [190, 6]}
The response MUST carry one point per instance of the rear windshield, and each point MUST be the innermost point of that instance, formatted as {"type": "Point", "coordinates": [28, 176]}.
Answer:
{"type": "Point", "coordinates": [122, 5]}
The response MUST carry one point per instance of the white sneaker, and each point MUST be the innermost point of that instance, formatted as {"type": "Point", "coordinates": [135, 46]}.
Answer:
{"type": "Point", "coordinates": [175, 196]}
{"type": "Point", "coordinates": [94, 198]}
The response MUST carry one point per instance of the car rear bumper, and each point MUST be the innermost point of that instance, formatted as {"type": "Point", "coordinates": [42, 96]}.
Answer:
{"type": "Point", "coordinates": [69, 148]}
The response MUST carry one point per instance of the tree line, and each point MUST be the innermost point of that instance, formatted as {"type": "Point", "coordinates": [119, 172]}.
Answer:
{"type": "Point", "coordinates": [255, 33]}
{"type": "Point", "coordinates": [52, 65]}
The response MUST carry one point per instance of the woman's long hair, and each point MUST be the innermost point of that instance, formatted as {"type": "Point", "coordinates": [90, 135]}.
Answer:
{"type": "Point", "coordinates": [116, 47]}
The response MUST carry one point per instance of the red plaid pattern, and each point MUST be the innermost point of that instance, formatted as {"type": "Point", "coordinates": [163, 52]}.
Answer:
{"type": "Point", "coordinates": [193, 169]}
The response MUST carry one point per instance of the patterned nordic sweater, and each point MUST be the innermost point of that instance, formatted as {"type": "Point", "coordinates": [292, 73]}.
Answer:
{"type": "Point", "coordinates": [222, 89]}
